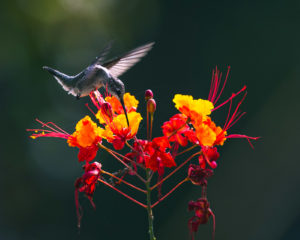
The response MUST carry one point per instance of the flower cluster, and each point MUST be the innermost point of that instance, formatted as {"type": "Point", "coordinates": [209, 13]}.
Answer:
{"type": "Point", "coordinates": [191, 130]}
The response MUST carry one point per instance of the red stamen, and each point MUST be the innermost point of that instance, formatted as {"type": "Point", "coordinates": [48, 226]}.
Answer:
{"type": "Point", "coordinates": [222, 86]}
{"type": "Point", "coordinates": [121, 161]}
{"type": "Point", "coordinates": [123, 181]}
{"type": "Point", "coordinates": [228, 115]}
{"type": "Point", "coordinates": [176, 169]}
{"type": "Point", "coordinates": [45, 124]}
{"type": "Point", "coordinates": [232, 96]}
{"type": "Point", "coordinates": [243, 136]}
{"type": "Point", "coordinates": [38, 130]}
{"type": "Point", "coordinates": [96, 98]}
{"type": "Point", "coordinates": [60, 129]}
{"type": "Point", "coordinates": [238, 117]}
{"type": "Point", "coordinates": [215, 87]}
{"type": "Point", "coordinates": [226, 127]}
{"type": "Point", "coordinates": [211, 85]}
{"type": "Point", "coordinates": [88, 107]}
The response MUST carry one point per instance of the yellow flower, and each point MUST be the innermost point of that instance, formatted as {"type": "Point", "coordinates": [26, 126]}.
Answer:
{"type": "Point", "coordinates": [195, 109]}
{"type": "Point", "coordinates": [86, 134]}
{"type": "Point", "coordinates": [118, 127]}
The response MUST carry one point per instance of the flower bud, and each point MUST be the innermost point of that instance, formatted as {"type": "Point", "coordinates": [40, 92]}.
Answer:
{"type": "Point", "coordinates": [106, 109]}
{"type": "Point", "coordinates": [148, 94]}
{"type": "Point", "coordinates": [151, 106]}
{"type": "Point", "coordinates": [213, 164]}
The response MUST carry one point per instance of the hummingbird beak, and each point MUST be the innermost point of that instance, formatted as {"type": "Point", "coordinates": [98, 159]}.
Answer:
{"type": "Point", "coordinates": [123, 105]}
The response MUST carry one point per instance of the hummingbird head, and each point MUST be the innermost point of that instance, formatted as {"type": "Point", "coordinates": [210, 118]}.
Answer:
{"type": "Point", "coordinates": [116, 87]}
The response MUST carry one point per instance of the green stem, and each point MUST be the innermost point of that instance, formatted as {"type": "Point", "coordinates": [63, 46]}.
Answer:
{"type": "Point", "coordinates": [149, 208]}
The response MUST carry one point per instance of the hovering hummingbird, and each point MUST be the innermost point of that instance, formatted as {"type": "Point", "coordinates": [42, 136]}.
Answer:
{"type": "Point", "coordinates": [101, 73]}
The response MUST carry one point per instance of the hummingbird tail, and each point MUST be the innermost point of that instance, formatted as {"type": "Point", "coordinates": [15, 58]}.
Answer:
{"type": "Point", "coordinates": [63, 79]}
{"type": "Point", "coordinates": [62, 76]}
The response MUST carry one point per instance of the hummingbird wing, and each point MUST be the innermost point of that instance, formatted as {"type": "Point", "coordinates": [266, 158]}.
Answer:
{"type": "Point", "coordinates": [117, 66]}
{"type": "Point", "coordinates": [103, 53]}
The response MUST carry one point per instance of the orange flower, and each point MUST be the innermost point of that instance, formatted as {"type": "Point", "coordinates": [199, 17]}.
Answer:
{"type": "Point", "coordinates": [209, 134]}
{"type": "Point", "coordinates": [87, 133]}
{"type": "Point", "coordinates": [130, 102]}
{"type": "Point", "coordinates": [117, 131]}
{"type": "Point", "coordinates": [192, 108]}
{"type": "Point", "coordinates": [113, 107]}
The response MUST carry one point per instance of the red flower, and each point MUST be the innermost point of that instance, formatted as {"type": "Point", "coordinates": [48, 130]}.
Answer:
{"type": "Point", "coordinates": [137, 153]}
{"type": "Point", "coordinates": [198, 175]}
{"type": "Point", "coordinates": [86, 184]}
{"type": "Point", "coordinates": [159, 158]}
{"type": "Point", "coordinates": [88, 153]}
{"type": "Point", "coordinates": [202, 214]}
{"type": "Point", "coordinates": [175, 129]}
{"type": "Point", "coordinates": [209, 156]}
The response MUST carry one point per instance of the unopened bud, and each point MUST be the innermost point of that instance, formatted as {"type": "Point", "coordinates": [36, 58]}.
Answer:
{"type": "Point", "coordinates": [213, 164]}
{"type": "Point", "coordinates": [148, 94]}
{"type": "Point", "coordinates": [106, 109]}
{"type": "Point", "coordinates": [151, 106]}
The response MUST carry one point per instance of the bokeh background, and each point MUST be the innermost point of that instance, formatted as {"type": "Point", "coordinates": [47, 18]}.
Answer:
{"type": "Point", "coordinates": [254, 193]}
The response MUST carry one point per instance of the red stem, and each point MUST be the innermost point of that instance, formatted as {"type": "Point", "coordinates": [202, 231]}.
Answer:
{"type": "Point", "coordinates": [214, 224]}
{"type": "Point", "coordinates": [186, 150]}
{"type": "Point", "coordinates": [176, 169]}
{"type": "Point", "coordinates": [124, 194]}
{"type": "Point", "coordinates": [121, 161]}
{"type": "Point", "coordinates": [123, 181]}
{"type": "Point", "coordinates": [172, 190]}
{"type": "Point", "coordinates": [148, 125]}
{"type": "Point", "coordinates": [151, 125]}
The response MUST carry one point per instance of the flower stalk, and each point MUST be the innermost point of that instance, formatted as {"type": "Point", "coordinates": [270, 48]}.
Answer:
{"type": "Point", "coordinates": [149, 207]}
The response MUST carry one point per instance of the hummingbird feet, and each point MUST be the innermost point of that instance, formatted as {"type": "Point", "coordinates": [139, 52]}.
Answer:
{"type": "Point", "coordinates": [78, 96]}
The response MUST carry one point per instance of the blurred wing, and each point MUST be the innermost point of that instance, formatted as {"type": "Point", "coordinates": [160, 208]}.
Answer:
{"type": "Point", "coordinates": [119, 65]}
{"type": "Point", "coordinates": [103, 53]}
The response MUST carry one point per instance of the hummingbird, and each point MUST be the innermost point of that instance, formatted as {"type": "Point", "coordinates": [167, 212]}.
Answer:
{"type": "Point", "coordinates": [101, 73]}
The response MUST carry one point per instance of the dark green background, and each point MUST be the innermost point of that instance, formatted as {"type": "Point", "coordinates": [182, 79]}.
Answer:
{"type": "Point", "coordinates": [254, 193]}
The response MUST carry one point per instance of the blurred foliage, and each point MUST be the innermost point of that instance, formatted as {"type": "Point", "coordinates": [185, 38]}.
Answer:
{"type": "Point", "coordinates": [254, 194]}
